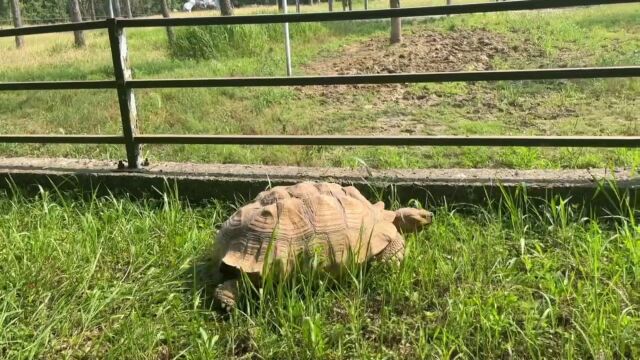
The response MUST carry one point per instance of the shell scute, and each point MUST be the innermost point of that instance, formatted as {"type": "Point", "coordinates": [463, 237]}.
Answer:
{"type": "Point", "coordinates": [271, 196]}
{"type": "Point", "coordinates": [326, 219]}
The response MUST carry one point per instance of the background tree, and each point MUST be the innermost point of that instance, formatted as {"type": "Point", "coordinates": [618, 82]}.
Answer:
{"type": "Point", "coordinates": [226, 8]}
{"type": "Point", "coordinates": [17, 21]}
{"type": "Point", "coordinates": [127, 6]}
{"type": "Point", "coordinates": [57, 11]}
{"type": "Point", "coordinates": [45, 11]}
{"type": "Point", "coordinates": [171, 36]}
{"type": "Point", "coordinates": [3, 9]}
{"type": "Point", "coordinates": [92, 4]}
{"type": "Point", "coordinates": [110, 12]}
{"type": "Point", "coordinates": [76, 16]}
{"type": "Point", "coordinates": [396, 24]}
{"type": "Point", "coordinates": [117, 10]}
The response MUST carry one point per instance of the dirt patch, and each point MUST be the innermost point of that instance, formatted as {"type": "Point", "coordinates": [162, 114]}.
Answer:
{"type": "Point", "coordinates": [422, 50]}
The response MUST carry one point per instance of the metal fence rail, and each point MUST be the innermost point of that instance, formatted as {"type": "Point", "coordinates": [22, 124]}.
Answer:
{"type": "Point", "coordinates": [461, 76]}
{"type": "Point", "coordinates": [344, 140]}
{"type": "Point", "coordinates": [124, 84]}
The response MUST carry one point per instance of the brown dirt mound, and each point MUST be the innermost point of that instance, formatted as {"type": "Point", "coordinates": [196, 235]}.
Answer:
{"type": "Point", "coordinates": [421, 51]}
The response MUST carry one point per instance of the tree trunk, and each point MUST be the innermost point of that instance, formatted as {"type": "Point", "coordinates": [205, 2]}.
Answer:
{"type": "Point", "coordinates": [92, 5]}
{"type": "Point", "coordinates": [116, 8]}
{"type": "Point", "coordinates": [226, 8]}
{"type": "Point", "coordinates": [17, 21]}
{"type": "Point", "coordinates": [396, 24]}
{"type": "Point", "coordinates": [110, 4]}
{"type": "Point", "coordinates": [76, 16]}
{"type": "Point", "coordinates": [127, 4]}
{"type": "Point", "coordinates": [171, 36]}
{"type": "Point", "coordinates": [330, 2]}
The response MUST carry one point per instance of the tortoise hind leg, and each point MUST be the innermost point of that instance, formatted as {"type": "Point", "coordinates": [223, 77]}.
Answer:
{"type": "Point", "coordinates": [227, 294]}
{"type": "Point", "coordinates": [394, 251]}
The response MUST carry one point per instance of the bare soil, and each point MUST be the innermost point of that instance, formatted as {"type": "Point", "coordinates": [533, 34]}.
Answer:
{"type": "Point", "coordinates": [422, 50]}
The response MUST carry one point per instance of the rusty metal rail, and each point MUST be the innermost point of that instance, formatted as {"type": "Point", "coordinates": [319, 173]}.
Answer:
{"type": "Point", "coordinates": [440, 140]}
{"type": "Point", "coordinates": [461, 76]}
{"type": "Point", "coordinates": [124, 84]}
{"type": "Point", "coordinates": [568, 141]}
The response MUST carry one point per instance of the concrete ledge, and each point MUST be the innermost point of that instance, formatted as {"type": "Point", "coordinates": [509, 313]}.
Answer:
{"type": "Point", "coordinates": [206, 181]}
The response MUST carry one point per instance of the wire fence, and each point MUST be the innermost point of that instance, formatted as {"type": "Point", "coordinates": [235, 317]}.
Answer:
{"type": "Point", "coordinates": [124, 84]}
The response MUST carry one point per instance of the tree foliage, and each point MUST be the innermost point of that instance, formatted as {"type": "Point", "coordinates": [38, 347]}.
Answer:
{"type": "Point", "coordinates": [56, 11]}
{"type": "Point", "coordinates": [52, 11]}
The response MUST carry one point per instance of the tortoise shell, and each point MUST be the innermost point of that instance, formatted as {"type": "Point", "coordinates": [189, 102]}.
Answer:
{"type": "Point", "coordinates": [284, 222]}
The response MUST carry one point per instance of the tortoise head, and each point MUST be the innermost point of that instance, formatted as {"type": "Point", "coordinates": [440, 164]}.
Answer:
{"type": "Point", "coordinates": [411, 219]}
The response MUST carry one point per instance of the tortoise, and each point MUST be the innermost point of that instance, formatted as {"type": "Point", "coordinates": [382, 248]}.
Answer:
{"type": "Point", "coordinates": [286, 221]}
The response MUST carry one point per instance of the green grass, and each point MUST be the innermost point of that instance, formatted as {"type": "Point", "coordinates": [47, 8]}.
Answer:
{"type": "Point", "coordinates": [593, 36]}
{"type": "Point", "coordinates": [107, 277]}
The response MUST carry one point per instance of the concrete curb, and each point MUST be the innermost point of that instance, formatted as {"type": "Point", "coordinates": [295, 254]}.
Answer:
{"type": "Point", "coordinates": [199, 182]}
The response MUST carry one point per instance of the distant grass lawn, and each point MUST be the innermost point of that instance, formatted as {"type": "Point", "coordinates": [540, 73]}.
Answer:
{"type": "Point", "coordinates": [113, 278]}
{"type": "Point", "coordinates": [592, 36]}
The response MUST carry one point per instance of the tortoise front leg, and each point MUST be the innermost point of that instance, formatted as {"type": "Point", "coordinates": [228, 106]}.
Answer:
{"type": "Point", "coordinates": [227, 293]}
{"type": "Point", "coordinates": [394, 251]}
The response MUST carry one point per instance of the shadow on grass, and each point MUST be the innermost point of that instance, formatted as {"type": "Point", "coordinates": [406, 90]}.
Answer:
{"type": "Point", "coordinates": [201, 279]}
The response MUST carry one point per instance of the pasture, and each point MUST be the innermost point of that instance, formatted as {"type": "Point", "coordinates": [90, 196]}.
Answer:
{"type": "Point", "coordinates": [593, 36]}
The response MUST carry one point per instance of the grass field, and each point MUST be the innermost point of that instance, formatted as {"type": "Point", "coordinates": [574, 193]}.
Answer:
{"type": "Point", "coordinates": [593, 36]}
{"type": "Point", "coordinates": [107, 277]}
{"type": "Point", "coordinates": [111, 277]}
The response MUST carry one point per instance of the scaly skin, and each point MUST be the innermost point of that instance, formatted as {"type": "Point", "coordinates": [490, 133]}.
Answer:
{"type": "Point", "coordinates": [394, 251]}
{"type": "Point", "coordinates": [407, 220]}
{"type": "Point", "coordinates": [227, 293]}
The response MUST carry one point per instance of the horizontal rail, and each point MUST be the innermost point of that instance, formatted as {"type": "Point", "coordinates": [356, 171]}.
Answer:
{"type": "Point", "coordinates": [369, 14]}
{"type": "Point", "coordinates": [470, 76]}
{"type": "Point", "coordinates": [340, 140]}
{"type": "Point", "coordinates": [55, 28]}
{"type": "Point", "coordinates": [568, 141]}
{"type": "Point", "coordinates": [59, 85]}
{"type": "Point", "coordinates": [62, 139]}
{"type": "Point", "coordinates": [317, 17]}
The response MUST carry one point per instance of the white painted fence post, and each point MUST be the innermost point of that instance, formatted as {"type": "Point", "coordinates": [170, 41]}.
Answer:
{"type": "Point", "coordinates": [287, 39]}
{"type": "Point", "coordinates": [126, 99]}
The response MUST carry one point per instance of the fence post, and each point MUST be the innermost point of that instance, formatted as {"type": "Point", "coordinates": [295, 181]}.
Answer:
{"type": "Point", "coordinates": [287, 40]}
{"type": "Point", "coordinates": [126, 99]}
